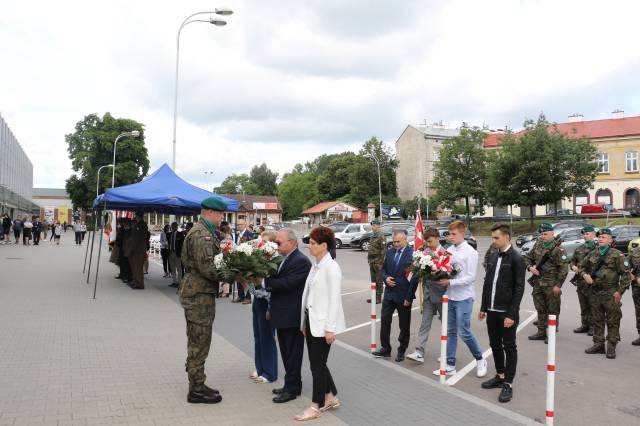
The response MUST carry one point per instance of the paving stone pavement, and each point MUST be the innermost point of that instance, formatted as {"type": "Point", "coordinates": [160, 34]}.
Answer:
{"type": "Point", "coordinates": [66, 359]}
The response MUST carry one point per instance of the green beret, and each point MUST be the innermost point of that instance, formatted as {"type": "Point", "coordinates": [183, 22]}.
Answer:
{"type": "Point", "coordinates": [544, 227]}
{"type": "Point", "coordinates": [605, 231]}
{"type": "Point", "coordinates": [214, 203]}
{"type": "Point", "coordinates": [588, 228]}
{"type": "Point", "coordinates": [376, 222]}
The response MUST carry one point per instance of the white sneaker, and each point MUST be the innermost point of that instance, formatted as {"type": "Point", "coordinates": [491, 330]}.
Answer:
{"type": "Point", "coordinates": [481, 369]}
{"type": "Point", "coordinates": [449, 371]}
{"type": "Point", "coordinates": [416, 356]}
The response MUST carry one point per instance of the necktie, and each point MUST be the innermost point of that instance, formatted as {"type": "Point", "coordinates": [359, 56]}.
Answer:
{"type": "Point", "coordinates": [397, 257]}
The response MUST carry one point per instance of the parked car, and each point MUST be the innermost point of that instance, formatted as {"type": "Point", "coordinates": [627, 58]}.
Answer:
{"type": "Point", "coordinates": [602, 209]}
{"type": "Point", "coordinates": [561, 212]}
{"type": "Point", "coordinates": [451, 218]}
{"type": "Point", "coordinates": [344, 237]}
{"type": "Point", "coordinates": [633, 244]}
{"type": "Point", "coordinates": [623, 235]}
{"type": "Point", "coordinates": [525, 238]}
{"type": "Point", "coordinates": [506, 217]}
{"type": "Point", "coordinates": [335, 227]}
{"type": "Point", "coordinates": [571, 238]}
{"type": "Point", "coordinates": [522, 239]}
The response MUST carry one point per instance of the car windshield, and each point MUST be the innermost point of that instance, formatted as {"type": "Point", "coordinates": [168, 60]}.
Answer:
{"type": "Point", "coordinates": [338, 227]}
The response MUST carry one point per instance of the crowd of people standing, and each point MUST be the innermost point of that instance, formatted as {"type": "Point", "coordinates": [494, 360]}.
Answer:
{"type": "Point", "coordinates": [30, 230]}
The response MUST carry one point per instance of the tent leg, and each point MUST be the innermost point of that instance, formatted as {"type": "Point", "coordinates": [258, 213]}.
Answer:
{"type": "Point", "coordinates": [95, 283]}
{"type": "Point", "coordinates": [93, 237]}
{"type": "Point", "coordinates": [86, 253]}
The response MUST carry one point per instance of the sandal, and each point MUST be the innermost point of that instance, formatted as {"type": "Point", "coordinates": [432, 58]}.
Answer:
{"type": "Point", "coordinates": [254, 375]}
{"type": "Point", "coordinates": [261, 380]}
{"type": "Point", "coordinates": [315, 413]}
{"type": "Point", "coordinates": [335, 403]}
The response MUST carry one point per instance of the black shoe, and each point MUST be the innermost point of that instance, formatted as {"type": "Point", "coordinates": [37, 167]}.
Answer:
{"type": "Point", "coordinates": [378, 301]}
{"type": "Point", "coordinates": [590, 332]}
{"type": "Point", "coordinates": [597, 348]}
{"type": "Point", "coordinates": [636, 342]}
{"type": "Point", "coordinates": [538, 336]}
{"type": "Point", "coordinates": [581, 329]}
{"type": "Point", "coordinates": [400, 356]}
{"type": "Point", "coordinates": [277, 391]}
{"type": "Point", "coordinates": [506, 393]}
{"type": "Point", "coordinates": [536, 322]}
{"type": "Point", "coordinates": [118, 277]}
{"type": "Point", "coordinates": [203, 398]}
{"type": "Point", "coordinates": [284, 397]}
{"type": "Point", "coordinates": [493, 383]}
{"type": "Point", "coordinates": [210, 391]}
{"type": "Point", "coordinates": [381, 353]}
{"type": "Point", "coordinates": [611, 351]}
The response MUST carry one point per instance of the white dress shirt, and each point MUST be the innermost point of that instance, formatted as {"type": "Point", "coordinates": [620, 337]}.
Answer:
{"type": "Point", "coordinates": [462, 287]}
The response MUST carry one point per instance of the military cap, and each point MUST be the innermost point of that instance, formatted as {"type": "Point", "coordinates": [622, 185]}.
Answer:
{"type": "Point", "coordinates": [376, 222]}
{"type": "Point", "coordinates": [588, 228]}
{"type": "Point", "coordinates": [605, 231]}
{"type": "Point", "coordinates": [214, 203]}
{"type": "Point", "coordinates": [544, 227]}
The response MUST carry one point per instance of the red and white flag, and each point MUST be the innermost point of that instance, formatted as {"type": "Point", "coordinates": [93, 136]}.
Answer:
{"type": "Point", "coordinates": [419, 241]}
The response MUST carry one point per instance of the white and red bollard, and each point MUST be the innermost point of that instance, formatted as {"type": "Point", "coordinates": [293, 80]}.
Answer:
{"type": "Point", "coordinates": [373, 317]}
{"type": "Point", "coordinates": [551, 367]}
{"type": "Point", "coordinates": [443, 339]}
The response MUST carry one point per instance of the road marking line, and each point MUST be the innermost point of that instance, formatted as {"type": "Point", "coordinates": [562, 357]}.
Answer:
{"type": "Point", "coordinates": [354, 292]}
{"type": "Point", "coordinates": [467, 368]}
{"type": "Point", "coordinates": [364, 324]}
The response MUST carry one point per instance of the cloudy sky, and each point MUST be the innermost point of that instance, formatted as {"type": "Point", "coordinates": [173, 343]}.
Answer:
{"type": "Point", "coordinates": [288, 80]}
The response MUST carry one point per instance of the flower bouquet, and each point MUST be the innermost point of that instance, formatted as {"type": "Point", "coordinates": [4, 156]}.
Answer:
{"type": "Point", "coordinates": [248, 261]}
{"type": "Point", "coordinates": [433, 265]}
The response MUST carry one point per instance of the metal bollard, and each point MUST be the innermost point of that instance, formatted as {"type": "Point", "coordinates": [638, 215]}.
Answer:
{"type": "Point", "coordinates": [373, 317]}
{"type": "Point", "coordinates": [551, 367]}
{"type": "Point", "coordinates": [443, 339]}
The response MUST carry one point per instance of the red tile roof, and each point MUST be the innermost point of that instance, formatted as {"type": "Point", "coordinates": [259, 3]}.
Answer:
{"type": "Point", "coordinates": [321, 207]}
{"type": "Point", "coordinates": [594, 129]}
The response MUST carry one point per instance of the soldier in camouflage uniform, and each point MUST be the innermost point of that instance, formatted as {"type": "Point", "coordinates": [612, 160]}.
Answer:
{"type": "Point", "coordinates": [547, 262]}
{"type": "Point", "coordinates": [606, 270]}
{"type": "Point", "coordinates": [197, 292]}
{"type": "Point", "coordinates": [582, 288]}
{"type": "Point", "coordinates": [375, 257]}
{"type": "Point", "coordinates": [634, 260]}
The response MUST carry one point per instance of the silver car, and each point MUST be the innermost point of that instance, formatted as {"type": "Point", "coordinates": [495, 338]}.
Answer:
{"type": "Point", "coordinates": [344, 236]}
{"type": "Point", "coordinates": [571, 239]}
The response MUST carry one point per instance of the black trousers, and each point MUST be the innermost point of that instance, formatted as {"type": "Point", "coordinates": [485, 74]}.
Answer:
{"type": "Point", "coordinates": [503, 344]}
{"type": "Point", "coordinates": [78, 237]}
{"type": "Point", "coordinates": [36, 238]}
{"type": "Point", "coordinates": [165, 260]}
{"type": "Point", "coordinates": [125, 270]}
{"type": "Point", "coordinates": [318, 355]}
{"type": "Point", "coordinates": [404, 320]}
{"type": "Point", "coordinates": [291, 342]}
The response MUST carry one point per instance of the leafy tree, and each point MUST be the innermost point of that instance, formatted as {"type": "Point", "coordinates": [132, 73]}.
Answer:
{"type": "Point", "coordinates": [297, 191]}
{"type": "Point", "coordinates": [90, 146]}
{"type": "Point", "coordinates": [461, 171]}
{"type": "Point", "coordinates": [237, 184]}
{"type": "Point", "coordinates": [334, 182]}
{"type": "Point", "coordinates": [264, 179]}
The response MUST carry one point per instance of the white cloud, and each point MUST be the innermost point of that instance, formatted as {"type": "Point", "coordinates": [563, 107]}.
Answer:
{"type": "Point", "coordinates": [286, 81]}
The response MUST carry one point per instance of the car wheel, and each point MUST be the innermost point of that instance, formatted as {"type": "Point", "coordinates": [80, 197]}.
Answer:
{"type": "Point", "coordinates": [338, 244]}
{"type": "Point", "coordinates": [364, 246]}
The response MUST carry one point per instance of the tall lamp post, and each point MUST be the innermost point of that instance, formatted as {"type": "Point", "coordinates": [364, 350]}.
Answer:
{"type": "Point", "coordinates": [379, 182]}
{"type": "Point", "coordinates": [213, 19]}
{"type": "Point", "coordinates": [133, 134]}
{"type": "Point", "coordinates": [207, 176]}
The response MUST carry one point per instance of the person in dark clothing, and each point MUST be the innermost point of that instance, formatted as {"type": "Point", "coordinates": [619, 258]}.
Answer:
{"type": "Point", "coordinates": [123, 261]}
{"type": "Point", "coordinates": [164, 249]}
{"type": "Point", "coordinates": [17, 229]}
{"type": "Point", "coordinates": [36, 230]}
{"type": "Point", "coordinates": [501, 296]}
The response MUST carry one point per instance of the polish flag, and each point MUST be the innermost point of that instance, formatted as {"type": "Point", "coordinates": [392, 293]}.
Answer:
{"type": "Point", "coordinates": [419, 241]}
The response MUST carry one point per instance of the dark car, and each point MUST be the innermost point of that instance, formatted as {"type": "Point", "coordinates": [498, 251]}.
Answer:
{"type": "Point", "coordinates": [623, 235]}
{"type": "Point", "coordinates": [557, 227]}
{"type": "Point", "coordinates": [467, 236]}
{"type": "Point", "coordinates": [522, 239]}
{"type": "Point", "coordinates": [560, 212]}
{"type": "Point", "coordinates": [362, 241]}
{"type": "Point", "coordinates": [506, 217]}
{"type": "Point", "coordinates": [634, 211]}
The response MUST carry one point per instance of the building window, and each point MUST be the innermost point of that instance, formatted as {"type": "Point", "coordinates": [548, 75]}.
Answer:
{"type": "Point", "coordinates": [436, 155]}
{"type": "Point", "coordinates": [631, 162]}
{"type": "Point", "coordinates": [604, 196]}
{"type": "Point", "coordinates": [603, 162]}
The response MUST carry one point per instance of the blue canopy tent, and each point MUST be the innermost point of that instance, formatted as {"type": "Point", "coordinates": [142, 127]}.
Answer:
{"type": "Point", "coordinates": [162, 192]}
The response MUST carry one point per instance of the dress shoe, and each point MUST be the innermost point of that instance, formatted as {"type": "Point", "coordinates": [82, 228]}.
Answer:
{"type": "Point", "coordinates": [538, 336]}
{"type": "Point", "coordinates": [582, 329]}
{"type": "Point", "coordinates": [400, 356]}
{"type": "Point", "coordinates": [636, 342]}
{"type": "Point", "coordinates": [203, 398]}
{"type": "Point", "coordinates": [494, 383]}
{"type": "Point", "coordinates": [597, 348]}
{"type": "Point", "coordinates": [611, 350]}
{"type": "Point", "coordinates": [277, 391]}
{"type": "Point", "coordinates": [377, 301]}
{"type": "Point", "coordinates": [284, 397]}
{"type": "Point", "coordinates": [506, 393]}
{"type": "Point", "coordinates": [381, 353]}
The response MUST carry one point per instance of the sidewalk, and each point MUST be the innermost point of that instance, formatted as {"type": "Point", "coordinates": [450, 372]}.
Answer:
{"type": "Point", "coordinates": [66, 359]}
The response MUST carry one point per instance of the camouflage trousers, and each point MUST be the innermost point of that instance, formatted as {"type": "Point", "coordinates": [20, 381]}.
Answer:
{"type": "Point", "coordinates": [584, 298]}
{"type": "Point", "coordinates": [635, 291]}
{"type": "Point", "coordinates": [546, 304]}
{"type": "Point", "coordinates": [376, 277]}
{"type": "Point", "coordinates": [199, 311]}
{"type": "Point", "coordinates": [604, 310]}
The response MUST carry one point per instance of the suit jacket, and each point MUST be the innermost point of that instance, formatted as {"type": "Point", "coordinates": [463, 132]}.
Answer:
{"type": "Point", "coordinates": [509, 286]}
{"type": "Point", "coordinates": [179, 241]}
{"type": "Point", "coordinates": [286, 289]}
{"type": "Point", "coordinates": [243, 236]}
{"type": "Point", "coordinates": [322, 296]}
{"type": "Point", "coordinates": [404, 289]}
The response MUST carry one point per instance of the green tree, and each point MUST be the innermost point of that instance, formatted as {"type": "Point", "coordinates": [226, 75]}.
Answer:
{"type": "Point", "coordinates": [334, 182]}
{"type": "Point", "coordinates": [460, 173]}
{"type": "Point", "coordinates": [297, 191]}
{"type": "Point", "coordinates": [90, 146]}
{"type": "Point", "coordinates": [237, 184]}
{"type": "Point", "coordinates": [264, 179]}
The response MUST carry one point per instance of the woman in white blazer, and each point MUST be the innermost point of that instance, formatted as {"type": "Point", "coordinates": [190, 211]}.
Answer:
{"type": "Point", "coordinates": [322, 319]}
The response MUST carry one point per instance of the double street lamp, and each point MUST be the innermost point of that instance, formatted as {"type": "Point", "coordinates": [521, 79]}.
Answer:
{"type": "Point", "coordinates": [213, 19]}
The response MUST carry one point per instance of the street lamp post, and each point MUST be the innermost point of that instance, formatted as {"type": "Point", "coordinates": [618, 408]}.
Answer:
{"type": "Point", "coordinates": [188, 20]}
{"type": "Point", "coordinates": [379, 183]}
{"type": "Point", "coordinates": [133, 134]}
{"type": "Point", "coordinates": [207, 176]}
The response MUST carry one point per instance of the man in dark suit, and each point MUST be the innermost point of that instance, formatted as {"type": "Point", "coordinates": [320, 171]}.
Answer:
{"type": "Point", "coordinates": [175, 240]}
{"type": "Point", "coordinates": [286, 289]}
{"type": "Point", "coordinates": [398, 295]}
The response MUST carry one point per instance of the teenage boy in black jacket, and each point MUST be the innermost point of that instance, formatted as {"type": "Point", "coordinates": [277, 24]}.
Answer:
{"type": "Point", "coordinates": [501, 296]}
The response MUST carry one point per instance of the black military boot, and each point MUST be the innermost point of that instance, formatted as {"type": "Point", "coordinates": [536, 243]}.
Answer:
{"type": "Point", "coordinates": [597, 348]}
{"type": "Point", "coordinates": [636, 342]}
{"type": "Point", "coordinates": [611, 350]}
{"type": "Point", "coordinates": [590, 332]}
{"type": "Point", "coordinates": [538, 336]}
{"type": "Point", "coordinates": [582, 329]}
{"type": "Point", "coordinates": [536, 322]}
{"type": "Point", "coordinates": [209, 390]}
{"type": "Point", "coordinates": [203, 395]}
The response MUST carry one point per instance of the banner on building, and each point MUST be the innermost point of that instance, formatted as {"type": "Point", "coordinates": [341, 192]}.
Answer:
{"type": "Point", "coordinates": [391, 211]}
{"type": "Point", "coordinates": [49, 214]}
{"type": "Point", "coordinates": [265, 206]}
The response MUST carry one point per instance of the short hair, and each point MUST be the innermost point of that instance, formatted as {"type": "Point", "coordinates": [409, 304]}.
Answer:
{"type": "Point", "coordinates": [225, 229]}
{"type": "Point", "coordinates": [323, 234]}
{"type": "Point", "coordinates": [400, 232]}
{"type": "Point", "coordinates": [431, 233]}
{"type": "Point", "coordinates": [291, 234]}
{"type": "Point", "coordinates": [458, 225]}
{"type": "Point", "coordinates": [268, 235]}
{"type": "Point", "coordinates": [502, 227]}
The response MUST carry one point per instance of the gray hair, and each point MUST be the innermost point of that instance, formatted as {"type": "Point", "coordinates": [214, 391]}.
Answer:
{"type": "Point", "coordinates": [400, 232]}
{"type": "Point", "coordinates": [291, 234]}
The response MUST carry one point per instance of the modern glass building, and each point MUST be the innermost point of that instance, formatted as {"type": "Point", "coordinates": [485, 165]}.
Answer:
{"type": "Point", "coordinates": [16, 175]}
